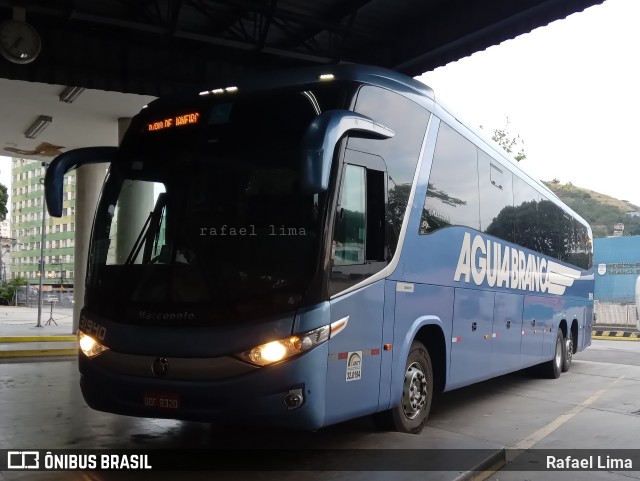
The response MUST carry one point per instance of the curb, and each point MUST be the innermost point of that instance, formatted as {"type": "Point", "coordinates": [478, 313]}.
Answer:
{"type": "Point", "coordinates": [5, 339]}
{"type": "Point", "coordinates": [38, 353]}
{"type": "Point", "coordinates": [486, 468]}
{"type": "Point", "coordinates": [616, 335]}
{"type": "Point", "coordinates": [13, 353]}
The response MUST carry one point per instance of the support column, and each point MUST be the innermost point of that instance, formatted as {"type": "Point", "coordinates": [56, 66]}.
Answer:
{"type": "Point", "coordinates": [89, 180]}
{"type": "Point", "coordinates": [134, 204]}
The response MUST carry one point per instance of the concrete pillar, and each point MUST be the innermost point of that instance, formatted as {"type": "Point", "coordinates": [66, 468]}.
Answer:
{"type": "Point", "coordinates": [134, 204]}
{"type": "Point", "coordinates": [89, 180]}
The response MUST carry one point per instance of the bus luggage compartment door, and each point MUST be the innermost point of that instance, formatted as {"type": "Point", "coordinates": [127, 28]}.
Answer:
{"type": "Point", "coordinates": [471, 336]}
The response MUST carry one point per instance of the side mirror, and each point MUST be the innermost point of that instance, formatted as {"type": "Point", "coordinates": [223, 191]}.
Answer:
{"type": "Point", "coordinates": [320, 140]}
{"type": "Point", "coordinates": [63, 163]}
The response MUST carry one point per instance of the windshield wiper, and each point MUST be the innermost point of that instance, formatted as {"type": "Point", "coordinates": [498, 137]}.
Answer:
{"type": "Point", "coordinates": [148, 233]}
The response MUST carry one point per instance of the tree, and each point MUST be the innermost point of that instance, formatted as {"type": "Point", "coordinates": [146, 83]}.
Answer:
{"type": "Point", "coordinates": [509, 143]}
{"type": "Point", "coordinates": [9, 288]}
{"type": "Point", "coordinates": [3, 202]}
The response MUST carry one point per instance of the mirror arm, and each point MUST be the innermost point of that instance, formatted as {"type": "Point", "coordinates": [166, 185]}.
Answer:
{"type": "Point", "coordinates": [321, 138]}
{"type": "Point", "coordinates": [63, 163]}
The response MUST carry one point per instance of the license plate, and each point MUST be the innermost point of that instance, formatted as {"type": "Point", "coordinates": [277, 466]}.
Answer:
{"type": "Point", "coordinates": [161, 400]}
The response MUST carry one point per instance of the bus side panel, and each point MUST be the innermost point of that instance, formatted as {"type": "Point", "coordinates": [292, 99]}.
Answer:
{"type": "Point", "coordinates": [471, 337]}
{"type": "Point", "coordinates": [387, 338]}
{"type": "Point", "coordinates": [549, 317]}
{"type": "Point", "coordinates": [353, 372]}
{"type": "Point", "coordinates": [507, 331]}
{"type": "Point", "coordinates": [584, 336]}
{"type": "Point", "coordinates": [537, 315]}
{"type": "Point", "coordinates": [573, 310]}
{"type": "Point", "coordinates": [418, 305]}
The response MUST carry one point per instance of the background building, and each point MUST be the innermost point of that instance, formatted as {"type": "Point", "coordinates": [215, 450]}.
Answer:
{"type": "Point", "coordinates": [6, 245]}
{"type": "Point", "coordinates": [26, 211]}
{"type": "Point", "coordinates": [617, 266]}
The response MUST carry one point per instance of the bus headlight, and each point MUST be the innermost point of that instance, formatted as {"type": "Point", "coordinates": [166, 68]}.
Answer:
{"type": "Point", "coordinates": [89, 346]}
{"type": "Point", "coordinates": [281, 349]}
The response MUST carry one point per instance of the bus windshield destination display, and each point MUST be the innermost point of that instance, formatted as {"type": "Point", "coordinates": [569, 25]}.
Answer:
{"type": "Point", "coordinates": [175, 121]}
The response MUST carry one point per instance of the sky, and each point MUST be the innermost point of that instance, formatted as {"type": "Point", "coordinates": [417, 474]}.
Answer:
{"type": "Point", "coordinates": [571, 91]}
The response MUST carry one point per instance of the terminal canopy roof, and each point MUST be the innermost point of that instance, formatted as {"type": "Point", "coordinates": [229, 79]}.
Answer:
{"type": "Point", "coordinates": [157, 46]}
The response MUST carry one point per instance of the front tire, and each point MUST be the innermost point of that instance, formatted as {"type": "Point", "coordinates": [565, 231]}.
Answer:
{"type": "Point", "coordinates": [411, 414]}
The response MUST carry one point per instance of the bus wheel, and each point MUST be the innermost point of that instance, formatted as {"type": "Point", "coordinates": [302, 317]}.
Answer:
{"type": "Point", "coordinates": [568, 352]}
{"type": "Point", "coordinates": [553, 368]}
{"type": "Point", "coordinates": [417, 393]}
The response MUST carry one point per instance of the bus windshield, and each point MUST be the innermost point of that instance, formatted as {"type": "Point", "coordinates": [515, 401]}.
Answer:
{"type": "Point", "coordinates": [211, 218]}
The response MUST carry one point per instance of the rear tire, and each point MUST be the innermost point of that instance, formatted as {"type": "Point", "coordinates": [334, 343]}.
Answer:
{"type": "Point", "coordinates": [552, 369]}
{"type": "Point", "coordinates": [568, 352]}
{"type": "Point", "coordinates": [411, 414]}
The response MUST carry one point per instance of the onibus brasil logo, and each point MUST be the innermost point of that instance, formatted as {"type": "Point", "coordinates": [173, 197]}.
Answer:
{"type": "Point", "coordinates": [504, 266]}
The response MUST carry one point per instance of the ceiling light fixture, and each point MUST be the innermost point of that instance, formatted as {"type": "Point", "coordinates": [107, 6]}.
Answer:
{"type": "Point", "coordinates": [69, 94]}
{"type": "Point", "coordinates": [38, 126]}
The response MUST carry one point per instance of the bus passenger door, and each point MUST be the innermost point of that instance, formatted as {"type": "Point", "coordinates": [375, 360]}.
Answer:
{"type": "Point", "coordinates": [353, 376]}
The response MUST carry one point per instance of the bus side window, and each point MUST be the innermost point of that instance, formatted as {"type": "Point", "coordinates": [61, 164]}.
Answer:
{"type": "Point", "coordinates": [350, 228]}
{"type": "Point", "coordinates": [452, 192]}
{"type": "Point", "coordinates": [359, 245]}
{"type": "Point", "coordinates": [496, 198]}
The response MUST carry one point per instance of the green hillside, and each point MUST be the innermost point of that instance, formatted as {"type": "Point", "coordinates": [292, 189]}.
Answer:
{"type": "Point", "coordinates": [601, 211]}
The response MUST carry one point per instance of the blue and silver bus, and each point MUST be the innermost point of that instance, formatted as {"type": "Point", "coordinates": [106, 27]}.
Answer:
{"type": "Point", "coordinates": [305, 248]}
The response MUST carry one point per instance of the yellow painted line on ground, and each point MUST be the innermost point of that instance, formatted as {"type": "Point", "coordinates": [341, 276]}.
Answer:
{"type": "Point", "coordinates": [544, 431]}
{"type": "Point", "coordinates": [37, 338]}
{"type": "Point", "coordinates": [485, 469]}
{"type": "Point", "coordinates": [615, 333]}
{"type": "Point", "coordinates": [616, 338]}
{"type": "Point", "coordinates": [39, 353]}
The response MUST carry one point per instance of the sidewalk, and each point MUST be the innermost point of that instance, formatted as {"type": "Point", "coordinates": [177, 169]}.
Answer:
{"type": "Point", "coordinates": [625, 333]}
{"type": "Point", "coordinates": [19, 336]}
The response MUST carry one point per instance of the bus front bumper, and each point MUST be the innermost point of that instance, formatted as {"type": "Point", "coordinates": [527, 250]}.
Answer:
{"type": "Point", "coordinates": [289, 394]}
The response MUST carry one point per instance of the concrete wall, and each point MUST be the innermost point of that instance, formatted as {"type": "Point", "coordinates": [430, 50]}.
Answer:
{"type": "Point", "coordinates": [615, 314]}
{"type": "Point", "coordinates": [616, 266]}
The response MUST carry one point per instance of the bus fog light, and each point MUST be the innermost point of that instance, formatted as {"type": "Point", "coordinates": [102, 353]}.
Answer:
{"type": "Point", "coordinates": [89, 346]}
{"type": "Point", "coordinates": [281, 349]}
{"type": "Point", "coordinates": [294, 399]}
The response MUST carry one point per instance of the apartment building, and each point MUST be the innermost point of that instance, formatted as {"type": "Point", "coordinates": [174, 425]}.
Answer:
{"type": "Point", "coordinates": [26, 213]}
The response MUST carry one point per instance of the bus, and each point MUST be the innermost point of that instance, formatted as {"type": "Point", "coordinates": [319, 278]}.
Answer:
{"type": "Point", "coordinates": [299, 249]}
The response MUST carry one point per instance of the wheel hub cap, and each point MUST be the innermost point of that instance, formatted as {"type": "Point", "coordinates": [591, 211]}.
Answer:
{"type": "Point", "coordinates": [414, 394]}
{"type": "Point", "coordinates": [569, 350]}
